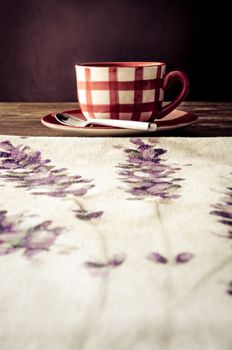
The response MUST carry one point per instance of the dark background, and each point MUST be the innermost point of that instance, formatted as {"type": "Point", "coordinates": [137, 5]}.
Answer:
{"type": "Point", "coordinates": [41, 41]}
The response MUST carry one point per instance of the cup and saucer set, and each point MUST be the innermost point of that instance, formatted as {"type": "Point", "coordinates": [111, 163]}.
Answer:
{"type": "Point", "coordinates": [123, 98]}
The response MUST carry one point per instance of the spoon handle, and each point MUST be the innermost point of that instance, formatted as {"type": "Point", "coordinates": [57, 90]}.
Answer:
{"type": "Point", "coordinates": [68, 119]}
{"type": "Point", "coordinates": [128, 124]}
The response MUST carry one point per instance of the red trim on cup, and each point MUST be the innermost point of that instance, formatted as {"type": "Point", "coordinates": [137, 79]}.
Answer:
{"type": "Point", "coordinates": [122, 108]}
{"type": "Point", "coordinates": [89, 102]}
{"type": "Point", "coordinates": [157, 91]}
{"type": "Point", "coordinates": [138, 93]}
{"type": "Point", "coordinates": [122, 85]}
{"type": "Point", "coordinates": [114, 97]}
{"type": "Point", "coordinates": [122, 64]}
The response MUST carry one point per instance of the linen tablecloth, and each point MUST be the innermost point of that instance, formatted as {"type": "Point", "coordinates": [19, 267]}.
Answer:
{"type": "Point", "coordinates": [115, 243]}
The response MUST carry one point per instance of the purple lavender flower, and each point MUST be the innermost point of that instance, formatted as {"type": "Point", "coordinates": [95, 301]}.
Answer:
{"type": "Point", "coordinates": [229, 288]}
{"type": "Point", "coordinates": [157, 258]}
{"type": "Point", "coordinates": [27, 169]}
{"type": "Point", "coordinates": [115, 261]}
{"type": "Point", "coordinates": [7, 226]}
{"type": "Point", "coordinates": [83, 214]}
{"type": "Point", "coordinates": [32, 239]}
{"type": "Point", "coordinates": [147, 173]}
{"type": "Point", "coordinates": [183, 258]}
{"type": "Point", "coordinates": [95, 265]}
{"type": "Point", "coordinates": [223, 211]}
{"type": "Point", "coordinates": [180, 258]}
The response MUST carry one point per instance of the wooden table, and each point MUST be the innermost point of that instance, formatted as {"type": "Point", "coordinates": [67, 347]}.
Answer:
{"type": "Point", "coordinates": [215, 119]}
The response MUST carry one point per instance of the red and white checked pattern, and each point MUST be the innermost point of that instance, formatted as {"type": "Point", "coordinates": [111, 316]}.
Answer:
{"type": "Point", "coordinates": [130, 93]}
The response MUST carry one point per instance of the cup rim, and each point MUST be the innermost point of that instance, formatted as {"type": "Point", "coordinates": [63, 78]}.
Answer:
{"type": "Point", "coordinates": [119, 64]}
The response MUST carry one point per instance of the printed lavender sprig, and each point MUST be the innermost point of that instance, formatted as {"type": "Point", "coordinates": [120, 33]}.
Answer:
{"type": "Point", "coordinates": [27, 169]}
{"type": "Point", "coordinates": [179, 259]}
{"type": "Point", "coordinates": [83, 214]}
{"type": "Point", "coordinates": [16, 234]}
{"type": "Point", "coordinates": [229, 288]}
{"type": "Point", "coordinates": [223, 210]}
{"type": "Point", "coordinates": [103, 268]}
{"type": "Point", "coordinates": [148, 174]}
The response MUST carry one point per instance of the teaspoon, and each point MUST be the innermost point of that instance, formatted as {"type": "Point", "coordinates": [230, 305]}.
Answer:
{"type": "Point", "coordinates": [67, 119]}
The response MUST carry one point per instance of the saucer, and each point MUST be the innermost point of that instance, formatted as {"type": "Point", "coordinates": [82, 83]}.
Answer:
{"type": "Point", "coordinates": [175, 120]}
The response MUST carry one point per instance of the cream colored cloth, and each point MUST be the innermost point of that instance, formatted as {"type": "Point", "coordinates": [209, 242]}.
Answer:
{"type": "Point", "coordinates": [115, 243]}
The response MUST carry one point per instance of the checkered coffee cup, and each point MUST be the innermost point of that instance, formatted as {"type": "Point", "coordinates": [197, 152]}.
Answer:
{"type": "Point", "coordinates": [126, 90]}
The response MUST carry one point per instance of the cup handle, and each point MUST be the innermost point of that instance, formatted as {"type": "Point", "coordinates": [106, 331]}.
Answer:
{"type": "Point", "coordinates": [183, 78]}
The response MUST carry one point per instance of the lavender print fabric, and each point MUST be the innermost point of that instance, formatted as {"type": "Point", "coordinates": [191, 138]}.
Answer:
{"type": "Point", "coordinates": [147, 172]}
{"type": "Point", "coordinates": [115, 243]}
{"type": "Point", "coordinates": [26, 168]}
{"type": "Point", "coordinates": [223, 212]}
{"type": "Point", "coordinates": [16, 234]}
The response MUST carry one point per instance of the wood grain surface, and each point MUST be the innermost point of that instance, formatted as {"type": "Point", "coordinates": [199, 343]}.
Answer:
{"type": "Point", "coordinates": [215, 119]}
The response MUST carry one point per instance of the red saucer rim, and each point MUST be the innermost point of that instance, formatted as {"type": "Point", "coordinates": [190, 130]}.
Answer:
{"type": "Point", "coordinates": [186, 118]}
